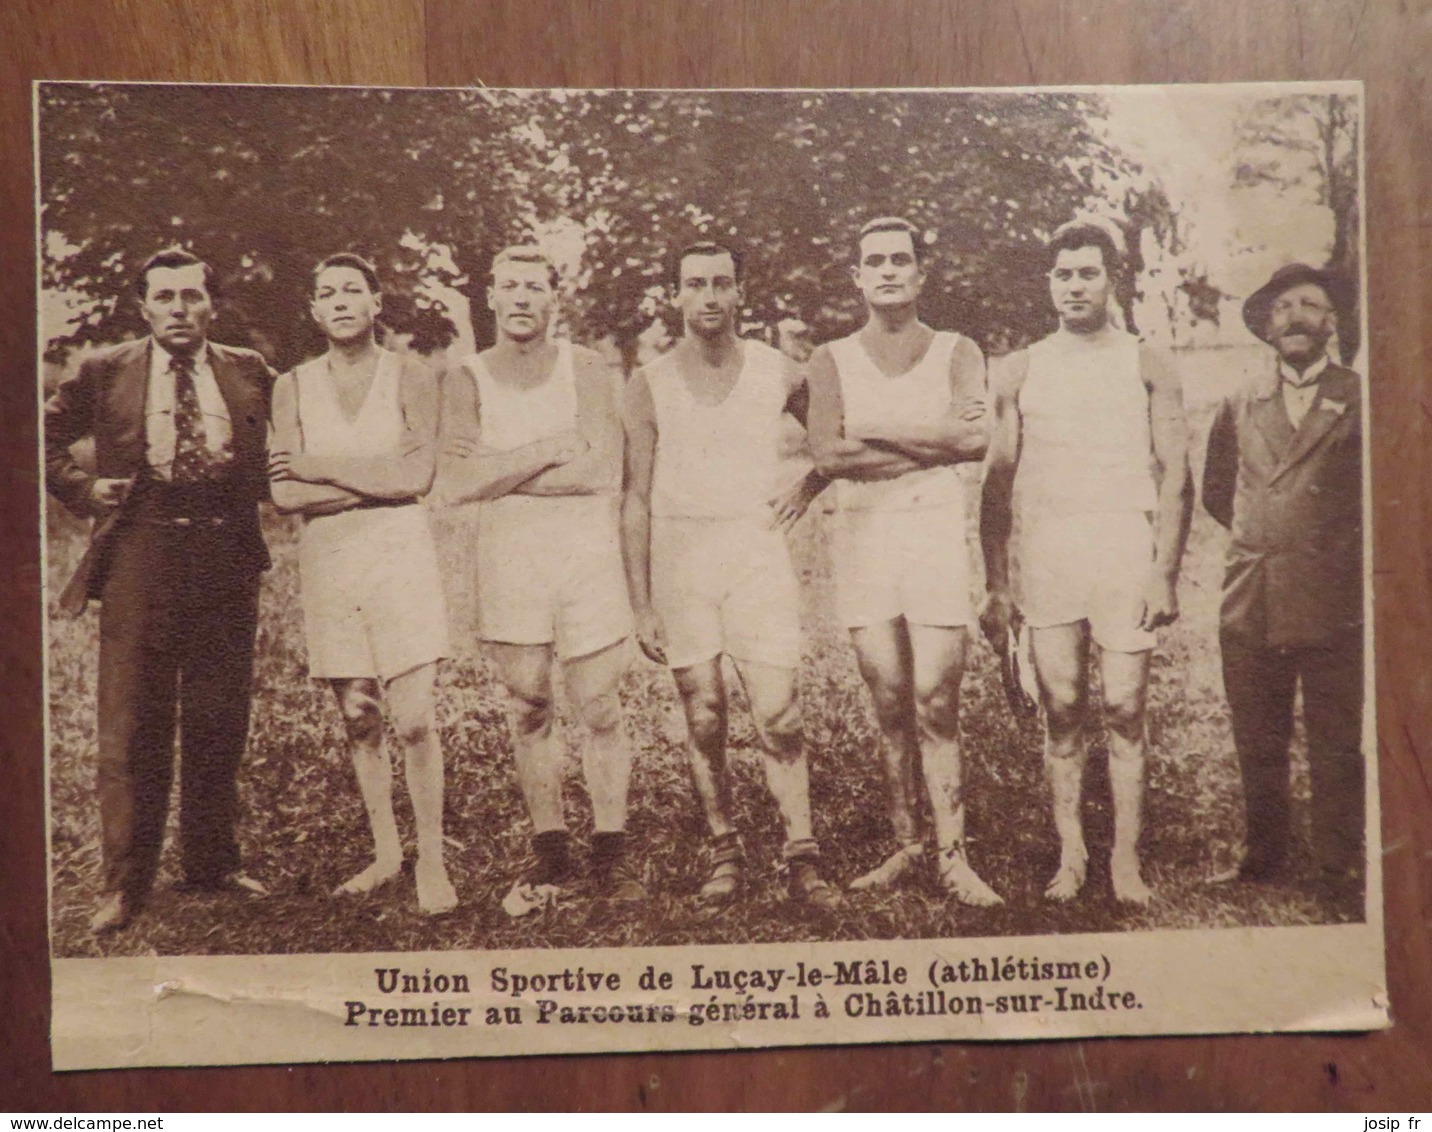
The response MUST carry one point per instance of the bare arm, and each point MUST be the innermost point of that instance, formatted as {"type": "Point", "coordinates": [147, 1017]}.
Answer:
{"type": "Point", "coordinates": [286, 441]}
{"type": "Point", "coordinates": [792, 500]}
{"type": "Point", "coordinates": [639, 425]}
{"type": "Point", "coordinates": [1220, 469]}
{"type": "Point", "coordinates": [837, 456]}
{"type": "Point", "coordinates": [400, 475]}
{"type": "Point", "coordinates": [468, 471]}
{"type": "Point", "coordinates": [1175, 482]}
{"type": "Point", "coordinates": [961, 434]}
{"type": "Point", "coordinates": [598, 470]}
{"type": "Point", "coordinates": [1002, 462]}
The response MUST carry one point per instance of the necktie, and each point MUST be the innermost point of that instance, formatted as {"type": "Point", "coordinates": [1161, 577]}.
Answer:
{"type": "Point", "coordinates": [193, 462]}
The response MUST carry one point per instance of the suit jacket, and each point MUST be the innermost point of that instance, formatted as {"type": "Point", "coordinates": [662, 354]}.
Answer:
{"type": "Point", "coordinates": [105, 399]}
{"type": "Point", "coordinates": [1292, 499]}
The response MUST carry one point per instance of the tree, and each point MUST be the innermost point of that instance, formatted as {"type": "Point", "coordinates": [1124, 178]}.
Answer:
{"type": "Point", "coordinates": [791, 176]}
{"type": "Point", "coordinates": [1310, 142]}
{"type": "Point", "coordinates": [265, 181]}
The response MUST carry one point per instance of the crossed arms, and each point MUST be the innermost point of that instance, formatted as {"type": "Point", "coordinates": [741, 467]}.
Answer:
{"type": "Point", "coordinates": [311, 484]}
{"type": "Point", "coordinates": [959, 435]}
{"type": "Point", "coordinates": [584, 461]}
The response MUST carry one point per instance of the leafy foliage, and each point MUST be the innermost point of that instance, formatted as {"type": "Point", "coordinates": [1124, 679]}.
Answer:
{"type": "Point", "coordinates": [1310, 142]}
{"type": "Point", "coordinates": [264, 182]}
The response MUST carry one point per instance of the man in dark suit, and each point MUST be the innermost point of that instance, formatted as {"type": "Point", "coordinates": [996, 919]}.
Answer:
{"type": "Point", "coordinates": [175, 558]}
{"type": "Point", "coordinates": [1284, 474]}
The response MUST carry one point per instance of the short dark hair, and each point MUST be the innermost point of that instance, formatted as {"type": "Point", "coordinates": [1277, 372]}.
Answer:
{"type": "Point", "coordinates": [175, 257]}
{"type": "Point", "coordinates": [356, 262]}
{"type": "Point", "coordinates": [1089, 234]}
{"type": "Point", "coordinates": [701, 247]}
{"type": "Point", "coordinates": [891, 224]}
{"type": "Point", "coordinates": [524, 253]}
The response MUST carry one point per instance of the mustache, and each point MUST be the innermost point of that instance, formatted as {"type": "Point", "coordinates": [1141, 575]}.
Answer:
{"type": "Point", "coordinates": [1299, 328]}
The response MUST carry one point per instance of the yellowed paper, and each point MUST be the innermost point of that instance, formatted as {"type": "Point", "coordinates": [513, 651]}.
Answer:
{"type": "Point", "coordinates": [831, 360]}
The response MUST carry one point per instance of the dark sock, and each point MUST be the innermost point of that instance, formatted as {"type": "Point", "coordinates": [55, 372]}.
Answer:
{"type": "Point", "coordinates": [554, 856]}
{"type": "Point", "coordinates": [608, 848]}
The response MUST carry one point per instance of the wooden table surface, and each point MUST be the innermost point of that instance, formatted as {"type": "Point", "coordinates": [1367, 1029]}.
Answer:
{"type": "Point", "coordinates": [773, 43]}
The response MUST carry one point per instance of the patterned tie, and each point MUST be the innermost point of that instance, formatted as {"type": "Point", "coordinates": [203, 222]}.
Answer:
{"type": "Point", "coordinates": [193, 462]}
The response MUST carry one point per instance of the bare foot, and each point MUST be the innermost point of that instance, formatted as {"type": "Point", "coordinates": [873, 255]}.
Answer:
{"type": "Point", "coordinates": [1067, 882]}
{"type": "Point", "coordinates": [1129, 886]}
{"type": "Point", "coordinates": [370, 879]}
{"type": "Point", "coordinates": [890, 870]}
{"type": "Point", "coordinates": [436, 894]}
{"type": "Point", "coordinates": [963, 882]}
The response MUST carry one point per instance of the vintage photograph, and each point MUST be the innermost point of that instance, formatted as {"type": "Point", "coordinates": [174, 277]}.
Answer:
{"type": "Point", "coordinates": [719, 535]}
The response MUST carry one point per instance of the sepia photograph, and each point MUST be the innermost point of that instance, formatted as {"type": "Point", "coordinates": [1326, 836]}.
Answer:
{"type": "Point", "coordinates": [774, 567]}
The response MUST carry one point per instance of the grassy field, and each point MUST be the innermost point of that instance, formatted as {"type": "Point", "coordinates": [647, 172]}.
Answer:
{"type": "Point", "coordinates": [304, 829]}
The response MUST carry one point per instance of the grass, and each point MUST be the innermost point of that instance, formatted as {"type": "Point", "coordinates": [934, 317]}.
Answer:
{"type": "Point", "coordinates": [304, 829]}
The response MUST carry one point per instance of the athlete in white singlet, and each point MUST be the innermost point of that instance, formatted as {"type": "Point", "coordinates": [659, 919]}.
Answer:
{"type": "Point", "coordinates": [354, 445]}
{"type": "Point", "coordinates": [707, 561]}
{"type": "Point", "coordinates": [533, 435]}
{"type": "Point", "coordinates": [1088, 476]}
{"type": "Point", "coordinates": [894, 408]}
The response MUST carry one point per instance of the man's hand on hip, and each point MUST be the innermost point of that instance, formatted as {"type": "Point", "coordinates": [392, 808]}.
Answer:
{"type": "Point", "coordinates": [107, 494]}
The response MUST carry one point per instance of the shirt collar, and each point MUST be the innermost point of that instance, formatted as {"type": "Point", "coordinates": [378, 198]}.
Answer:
{"type": "Point", "coordinates": [160, 357]}
{"type": "Point", "coordinates": [1308, 377]}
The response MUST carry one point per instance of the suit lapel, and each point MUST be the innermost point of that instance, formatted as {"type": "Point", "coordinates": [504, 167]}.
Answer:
{"type": "Point", "coordinates": [1325, 413]}
{"type": "Point", "coordinates": [1270, 417]}
{"type": "Point", "coordinates": [236, 393]}
{"type": "Point", "coordinates": [129, 396]}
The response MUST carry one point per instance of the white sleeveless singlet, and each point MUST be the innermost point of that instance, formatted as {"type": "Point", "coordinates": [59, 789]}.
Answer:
{"type": "Point", "coordinates": [376, 430]}
{"type": "Point", "coordinates": [1086, 442]}
{"type": "Point", "coordinates": [369, 577]}
{"type": "Point", "coordinates": [510, 416]}
{"type": "Point", "coordinates": [718, 461]}
{"type": "Point", "coordinates": [916, 397]}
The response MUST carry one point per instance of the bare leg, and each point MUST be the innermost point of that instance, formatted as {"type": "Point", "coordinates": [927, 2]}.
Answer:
{"type": "Point", "coordinates": [526, 672]}
{"type": "Point", "coordinates": [1060, 661]}
{"type": "Point", "coordinates": [363, 719]}
{"type": "Point", "coordinates": [1126, 684]}
{"type": "Point", "coordinates": [772, 693]}
{"type": "Point", "coordinates": [938, 655]}
{"type": "Point", "coordinates": [607, 752]}
{"type": "Point", "coordinates": [410, 700]}
{"type": "Point", "coordinates": [703, 695]}
{"type": "Point", "coordinates": [883, 654]}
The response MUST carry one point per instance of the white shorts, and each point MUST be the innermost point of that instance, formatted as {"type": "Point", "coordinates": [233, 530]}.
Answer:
{"type": "Point", "coordinates": [913, 564]}
{"type": "Point", "coordinates": [724, 585]}
{"type": "Point", "coordinates": [372, 595]}
{"type": "Point", "coordinates": [1094, 568]}
{"type": "Point", "coordinates": [549, 571]}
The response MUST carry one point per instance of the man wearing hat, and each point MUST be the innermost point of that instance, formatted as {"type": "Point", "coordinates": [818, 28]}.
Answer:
{"type": "Point", "coordinates": [1284, 475]}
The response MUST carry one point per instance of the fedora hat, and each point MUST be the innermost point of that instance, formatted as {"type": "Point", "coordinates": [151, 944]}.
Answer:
{"type": "Point", "coordinates": [1338, 289]}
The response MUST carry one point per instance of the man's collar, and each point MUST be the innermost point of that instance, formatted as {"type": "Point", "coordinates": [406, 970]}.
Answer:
{"type": "Point", "coordinates": [159, 357]}
{"type": "Point", "coordinates": [1308, 377]}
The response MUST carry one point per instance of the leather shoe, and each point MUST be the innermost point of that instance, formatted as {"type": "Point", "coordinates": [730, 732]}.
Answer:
{"type": "Point", "coordinates": [111, 914]}
{"type": "Point", "coordinates": [232, 884]}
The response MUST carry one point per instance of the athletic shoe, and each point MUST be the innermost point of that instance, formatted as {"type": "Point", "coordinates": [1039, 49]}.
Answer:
{"type": "Point", "coordinates": [807, 886]}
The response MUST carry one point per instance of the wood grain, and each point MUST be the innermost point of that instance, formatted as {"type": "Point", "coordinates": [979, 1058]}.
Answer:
{"type": "Point", "coordinates": [775, 43]}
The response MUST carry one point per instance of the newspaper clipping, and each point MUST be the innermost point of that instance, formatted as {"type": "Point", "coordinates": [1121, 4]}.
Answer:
{"type": "Point", "coordinates": [574, 571]}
